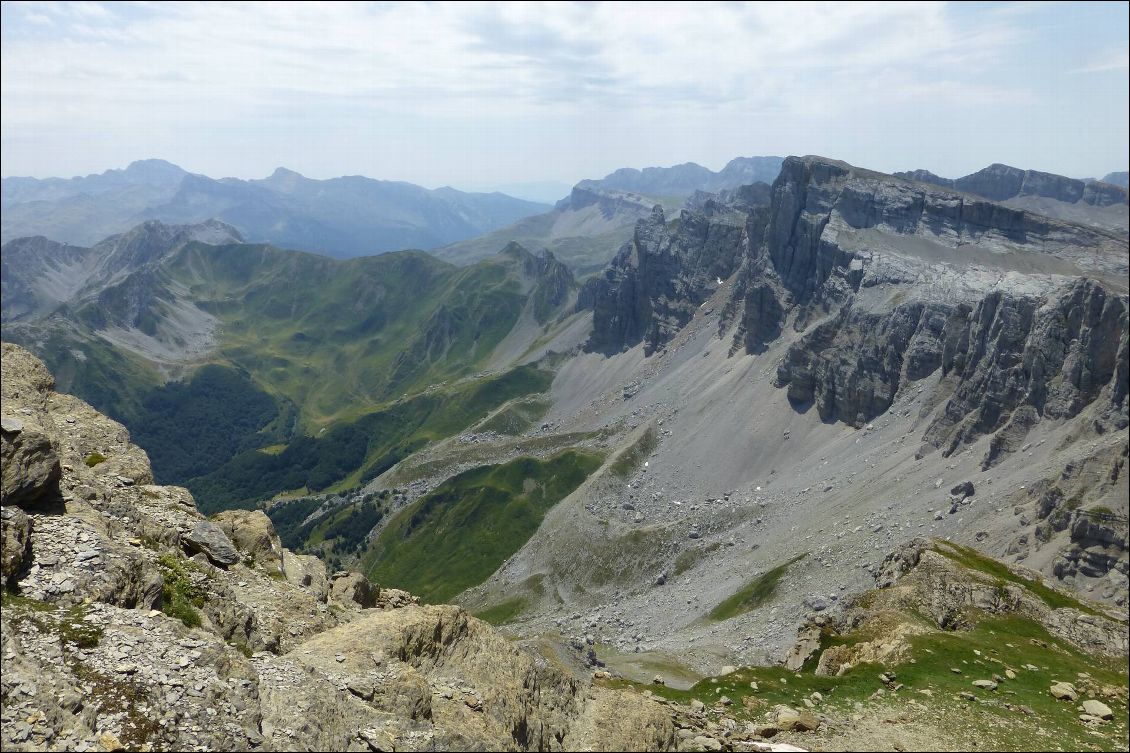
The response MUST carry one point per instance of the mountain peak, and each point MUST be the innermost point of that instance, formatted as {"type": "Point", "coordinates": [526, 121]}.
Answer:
{"type": "Point", "coordinates": [154, 169]}
{"type": "Point", "coordinates": [284, 172]}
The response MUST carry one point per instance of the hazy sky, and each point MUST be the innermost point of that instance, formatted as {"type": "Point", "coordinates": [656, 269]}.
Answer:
{"type": "Point", "coordinates": [482, 94]}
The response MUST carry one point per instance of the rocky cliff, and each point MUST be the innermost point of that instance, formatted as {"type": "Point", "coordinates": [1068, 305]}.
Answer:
{"type": "Point", "coordinates": [131, 621]}
{"type": "Point", "coordinates": [885, 282]}
{"type": "Point", "coordinates": [982, 330]}
{"type": "Point", "coordinates": [899, 283]}
{"type": "Point", "coordinates": [664, 274]}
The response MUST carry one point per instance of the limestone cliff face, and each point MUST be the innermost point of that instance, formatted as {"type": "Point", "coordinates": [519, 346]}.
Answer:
{"type": "Point", "coordinates": [889, 283]}
{"type": "Point", "coordinates": [659, 279]}
{"type": "Point", "coordinates": [884, 282]}
{"type": "Point", "coordinates": [132, 622]}
{"type": "Point", "coordinates": [1009, 361]}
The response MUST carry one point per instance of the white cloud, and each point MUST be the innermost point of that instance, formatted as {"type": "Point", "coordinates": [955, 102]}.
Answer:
{"type": "Point", "coordinates": [305, 73]}
{"type": "Point", "coordinates": [1112, 60]}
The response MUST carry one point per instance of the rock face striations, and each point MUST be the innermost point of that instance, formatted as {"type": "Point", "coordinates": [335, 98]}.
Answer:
{"type": "Point", "coordinates": [132, 622]}
{"type": "Point", "coordinates": [881, 282]}
{"type": "Point", "coordinates": [666, 272]}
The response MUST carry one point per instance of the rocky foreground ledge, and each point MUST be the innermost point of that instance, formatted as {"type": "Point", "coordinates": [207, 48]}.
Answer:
{"type": "Point", "coordinates": [131, 621]}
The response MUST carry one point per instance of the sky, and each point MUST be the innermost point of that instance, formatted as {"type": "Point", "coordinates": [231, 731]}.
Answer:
{"type": "Point", "coordinates": [480, 95]}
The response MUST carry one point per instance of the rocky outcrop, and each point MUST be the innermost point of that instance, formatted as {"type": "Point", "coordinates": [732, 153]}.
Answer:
{"type": "Point", "coordinates": [1011, 361]}
{"type": "Point", "coordinates": [953, 587]}
{"type": "Point", "coordinates": [550, 282]}
{"type": "Point", "coordinates": [662, 276]}
{"type": "Point", "coordinates": [253, 534]}
{"type": "Point", "coordinates": [1097, 549]}
{"type": "Point", "coordinates": [30, 462]}
{"type": "Point", "coordinates": [353, 590]}
{"type": "Point", "coordinates": [1016, 360]}
{"type": "Point", "coordinates": [114, 638]}
{"type": "Point", "coordinates": [852, 365]}
{"type": "Point", "coordinates": [15, 528]}
{"type": "Point", "coordinates": [306, 571]}
{"type": "Point", "coordinates": [946, 580]}
{"type": "Point", "coordinates": [30, 465]}
{"type": "Point", "coordinates": [886, 282]}
{"type": "Point", "coordinates": [209, 539]}
{"type": "Point", "coordinates": [842, 259]}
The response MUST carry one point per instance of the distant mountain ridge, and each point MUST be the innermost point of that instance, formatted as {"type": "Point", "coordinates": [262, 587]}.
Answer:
{"type": "Point", "coordinates": [1098, 203]}
{"type": "Point", "coordinates": [586, 227]}
{"type": "Point", "coordinates": [1118, 179]}
{"type": "Point", "coordinates": [685, 179]}
{"type": "Point", "coordinates": [341, 217]}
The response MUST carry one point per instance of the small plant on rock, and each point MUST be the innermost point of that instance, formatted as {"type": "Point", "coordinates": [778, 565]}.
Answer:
{"type": "Point", "coordinates": [179, 597]}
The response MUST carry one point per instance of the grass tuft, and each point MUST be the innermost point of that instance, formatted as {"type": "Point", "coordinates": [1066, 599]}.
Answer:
{"type": "Point", "coordinates": [179, 597]}
{"type": "Point", "coordinates": [755, 593]}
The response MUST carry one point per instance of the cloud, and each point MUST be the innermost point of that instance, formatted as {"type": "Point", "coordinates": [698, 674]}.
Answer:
{"type": "Point", "coordinates": [1113, 60]}
{"type": "Point", "coordinates": [243, 56]}
{"type": "Point", "coordinates": [484, 76]}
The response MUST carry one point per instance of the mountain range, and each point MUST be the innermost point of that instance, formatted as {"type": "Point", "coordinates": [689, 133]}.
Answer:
{"type": "Point", "coordinates": [585, 228]}
{"type": "Point", "coordinates": [341, 217]}
{"type": "Point", "coordinates": [678, 459]}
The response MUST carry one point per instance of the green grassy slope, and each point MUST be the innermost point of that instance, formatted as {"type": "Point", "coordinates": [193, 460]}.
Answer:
{"type": "Point", "coordinates": [460, 533]}
{"type": "Point", "coordinates": [755, 593]}
{"type": "Point", "coordinates": [355, 451]}
{"type": "Point", "coordinates": [337, 338]}
{"type": "Point", "coordinates": [992, 721]}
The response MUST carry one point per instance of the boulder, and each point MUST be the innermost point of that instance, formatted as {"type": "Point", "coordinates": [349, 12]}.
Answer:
{"type": "Point", "coordinates": [306, 571]}
{"type": "Point", "coordinates": [30, 464]}
{"type": "Point", "coordinates": [1064, 691]}
{"type": "Point", "coordinates": [1097, 708]}
{"type": "Point", "coordinates": [394, 598]}
{"type": "Point", "coordinates": [253, 534]}
{"type": "Point", "coordinates": [791, 720]}
{"type": "Point", "coordinates": [962, 491]}
{"type": "Point", "coordinates": [208, 538]}
{"type": "Point", "coordinates": [354, 589]}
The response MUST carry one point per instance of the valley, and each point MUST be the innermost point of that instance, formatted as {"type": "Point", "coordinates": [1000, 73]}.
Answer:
{"type": "Point", "coordinates": [508, 376]}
